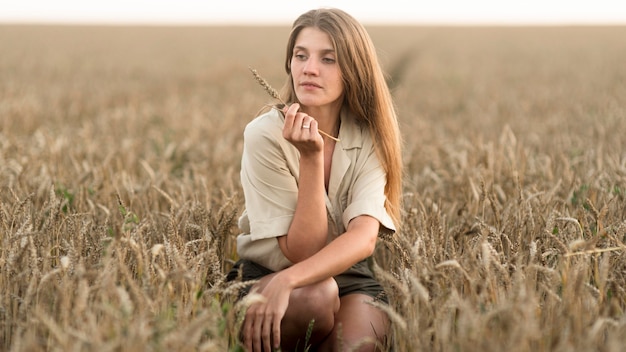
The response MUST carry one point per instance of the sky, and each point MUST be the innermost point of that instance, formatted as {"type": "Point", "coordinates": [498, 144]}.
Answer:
{"type": "Point", "coordinates": [253, 12]}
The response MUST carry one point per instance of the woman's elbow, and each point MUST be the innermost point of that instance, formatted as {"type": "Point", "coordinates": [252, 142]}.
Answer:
{"type": "Point", "coordinates": [370, 245]}
{"type": "Point", "coordinates": [297, 252]}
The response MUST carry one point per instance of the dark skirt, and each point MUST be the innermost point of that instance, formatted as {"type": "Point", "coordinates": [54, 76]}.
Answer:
{"type": "Point", "coordinates": [358, 279]}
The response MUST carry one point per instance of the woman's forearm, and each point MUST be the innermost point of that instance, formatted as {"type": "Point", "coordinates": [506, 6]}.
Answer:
{"type": "Point", "coordinates": [309, 229]}
{"type": "Point", "coordinates": [356, 244]}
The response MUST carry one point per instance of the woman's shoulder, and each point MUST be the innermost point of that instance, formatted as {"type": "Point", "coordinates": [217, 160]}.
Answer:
{"type": "Point", "coordinates": [268, 124]}
{"type": "Point", "coordinates": [271, 118]}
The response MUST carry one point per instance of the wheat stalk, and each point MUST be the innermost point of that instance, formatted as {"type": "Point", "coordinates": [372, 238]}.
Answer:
{"type": "Point", "coordinates": [274, 94]}
{"type": "Point", "coordinates": [266, 86]}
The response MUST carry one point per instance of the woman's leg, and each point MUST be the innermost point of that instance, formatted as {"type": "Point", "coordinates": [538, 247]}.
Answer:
{"type": "Point", "coordinates": [319, 302]}
{"type": "Point", "coordinates": [359, 326]}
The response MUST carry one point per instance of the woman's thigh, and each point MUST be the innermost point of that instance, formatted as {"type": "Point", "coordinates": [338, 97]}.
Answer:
{"type": "Point", "coordinates": [358, 323]}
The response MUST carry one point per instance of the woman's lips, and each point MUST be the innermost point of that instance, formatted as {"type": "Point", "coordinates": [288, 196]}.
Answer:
{"type": "Point", "coordinates": [310, 85]}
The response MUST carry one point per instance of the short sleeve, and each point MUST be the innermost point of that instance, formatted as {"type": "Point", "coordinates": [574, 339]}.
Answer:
{"type": "Point", "coordinates": [367, 194]}
{"type": "Point", "coordinates": [268, 179]}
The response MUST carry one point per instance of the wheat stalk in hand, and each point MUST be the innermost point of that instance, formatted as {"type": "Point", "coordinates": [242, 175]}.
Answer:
{"type": "Point", "coordinates": [274, 94]}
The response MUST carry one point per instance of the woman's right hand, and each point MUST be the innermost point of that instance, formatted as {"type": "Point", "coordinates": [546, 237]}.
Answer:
{"type": "Point", "coordinates": [300, 130]}
{"type": "Point", "coordinates": [261, 327]}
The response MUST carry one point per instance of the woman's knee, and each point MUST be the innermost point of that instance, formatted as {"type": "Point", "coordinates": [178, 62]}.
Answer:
{"type": "Point", "coordinates": [315, 304]}
{"type": "Point", "coordinates": [320, 301]}
{"type": "Point", "coordinates": [322, 296]}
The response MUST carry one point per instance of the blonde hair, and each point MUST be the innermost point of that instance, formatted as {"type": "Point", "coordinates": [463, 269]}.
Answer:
{"type": "Point", "coordinates": [366, 92]}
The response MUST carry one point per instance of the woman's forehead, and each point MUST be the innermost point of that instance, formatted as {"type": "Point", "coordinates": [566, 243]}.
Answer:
{"type": "Point", "coordinates": [313, 39]}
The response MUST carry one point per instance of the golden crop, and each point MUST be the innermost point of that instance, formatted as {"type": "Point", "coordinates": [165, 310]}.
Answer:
{"type": "Point", "coordinates": [119, 185]}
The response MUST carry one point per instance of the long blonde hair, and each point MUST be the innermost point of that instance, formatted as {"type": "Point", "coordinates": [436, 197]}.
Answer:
{"type": "Point", "coordinates": [366, 92]}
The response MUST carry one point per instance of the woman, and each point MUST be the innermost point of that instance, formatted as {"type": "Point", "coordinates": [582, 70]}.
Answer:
{"type": "Point", "coordinates": [315, 205]}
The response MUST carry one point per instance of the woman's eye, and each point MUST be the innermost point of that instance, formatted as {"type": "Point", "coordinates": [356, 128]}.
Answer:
{"type": "Point", "coordinates": [300, 56]}
{"type": "Point", "coordinates": [328, 60]}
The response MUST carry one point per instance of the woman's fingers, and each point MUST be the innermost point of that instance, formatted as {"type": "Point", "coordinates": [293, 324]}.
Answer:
{"type": "Point", "coordinates": [276, 334]}
{"type": "Point", "coordinates": [308, 125]}
{"type": "Point", "coordinates": [261, 331]}
{"type": "Point", "coordinates": [247, 331]}
{"type": "Point", "coordinates": [297, 123]}
{"type": "Point", "coordinates": [257, 341]}
{"type": "Point", "coordinates": [290, 115]}
{"type": "Point", "coordinates": [267, 326]}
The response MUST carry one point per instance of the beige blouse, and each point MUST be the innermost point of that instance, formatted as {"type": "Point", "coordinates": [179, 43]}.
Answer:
{"type": "Point", "coordinates": [269, 177]}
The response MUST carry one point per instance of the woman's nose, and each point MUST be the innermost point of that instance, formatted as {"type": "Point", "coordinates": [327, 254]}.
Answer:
{"type": "Point", "coordinates": [310, 67]}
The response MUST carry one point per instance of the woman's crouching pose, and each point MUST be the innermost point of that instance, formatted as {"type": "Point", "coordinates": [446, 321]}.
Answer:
{"type": "Point", "coordinates": [315, 205]}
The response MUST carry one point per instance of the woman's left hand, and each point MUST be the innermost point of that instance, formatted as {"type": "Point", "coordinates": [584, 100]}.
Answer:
{"type": "Point", "coordinates": [261, 327]}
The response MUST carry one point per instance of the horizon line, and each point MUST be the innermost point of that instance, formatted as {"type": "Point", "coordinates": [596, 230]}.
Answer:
{"type": "Point", "coordinates": [243, 23]}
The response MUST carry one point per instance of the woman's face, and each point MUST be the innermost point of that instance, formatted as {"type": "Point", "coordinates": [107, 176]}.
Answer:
{"type": "Point", "coordinates": [314, 69]}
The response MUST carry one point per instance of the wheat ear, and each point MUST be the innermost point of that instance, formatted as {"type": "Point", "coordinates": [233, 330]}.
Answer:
{"type": "Point", "coordinates": [274, 94]}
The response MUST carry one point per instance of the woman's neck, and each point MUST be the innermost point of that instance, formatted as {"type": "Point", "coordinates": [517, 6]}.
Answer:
{"type": "Point", "coordinates": [327, 118]}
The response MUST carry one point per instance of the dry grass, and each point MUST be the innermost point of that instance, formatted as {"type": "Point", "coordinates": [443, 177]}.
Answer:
{"type": "Point", "coordinates": [119, 190]}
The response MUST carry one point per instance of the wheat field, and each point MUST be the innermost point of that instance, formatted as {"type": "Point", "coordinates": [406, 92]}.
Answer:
{"type": "Point", "coordinates": [119, 185]}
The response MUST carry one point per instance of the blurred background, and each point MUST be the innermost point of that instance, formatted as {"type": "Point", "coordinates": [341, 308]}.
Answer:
{"type": "Point", "coordinates": [284, 11]}
{"type": "Point", "coordinates": [120, 144]}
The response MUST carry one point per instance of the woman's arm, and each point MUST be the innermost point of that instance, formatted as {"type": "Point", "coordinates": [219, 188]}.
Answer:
{"type": "Point", "coordinates": [309, 229]}
{"type": "Point", "coordinates": [356, 244]}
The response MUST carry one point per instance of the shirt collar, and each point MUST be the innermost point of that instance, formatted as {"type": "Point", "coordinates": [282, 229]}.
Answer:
{"type": "Point", "coordinates": [350, 130]}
